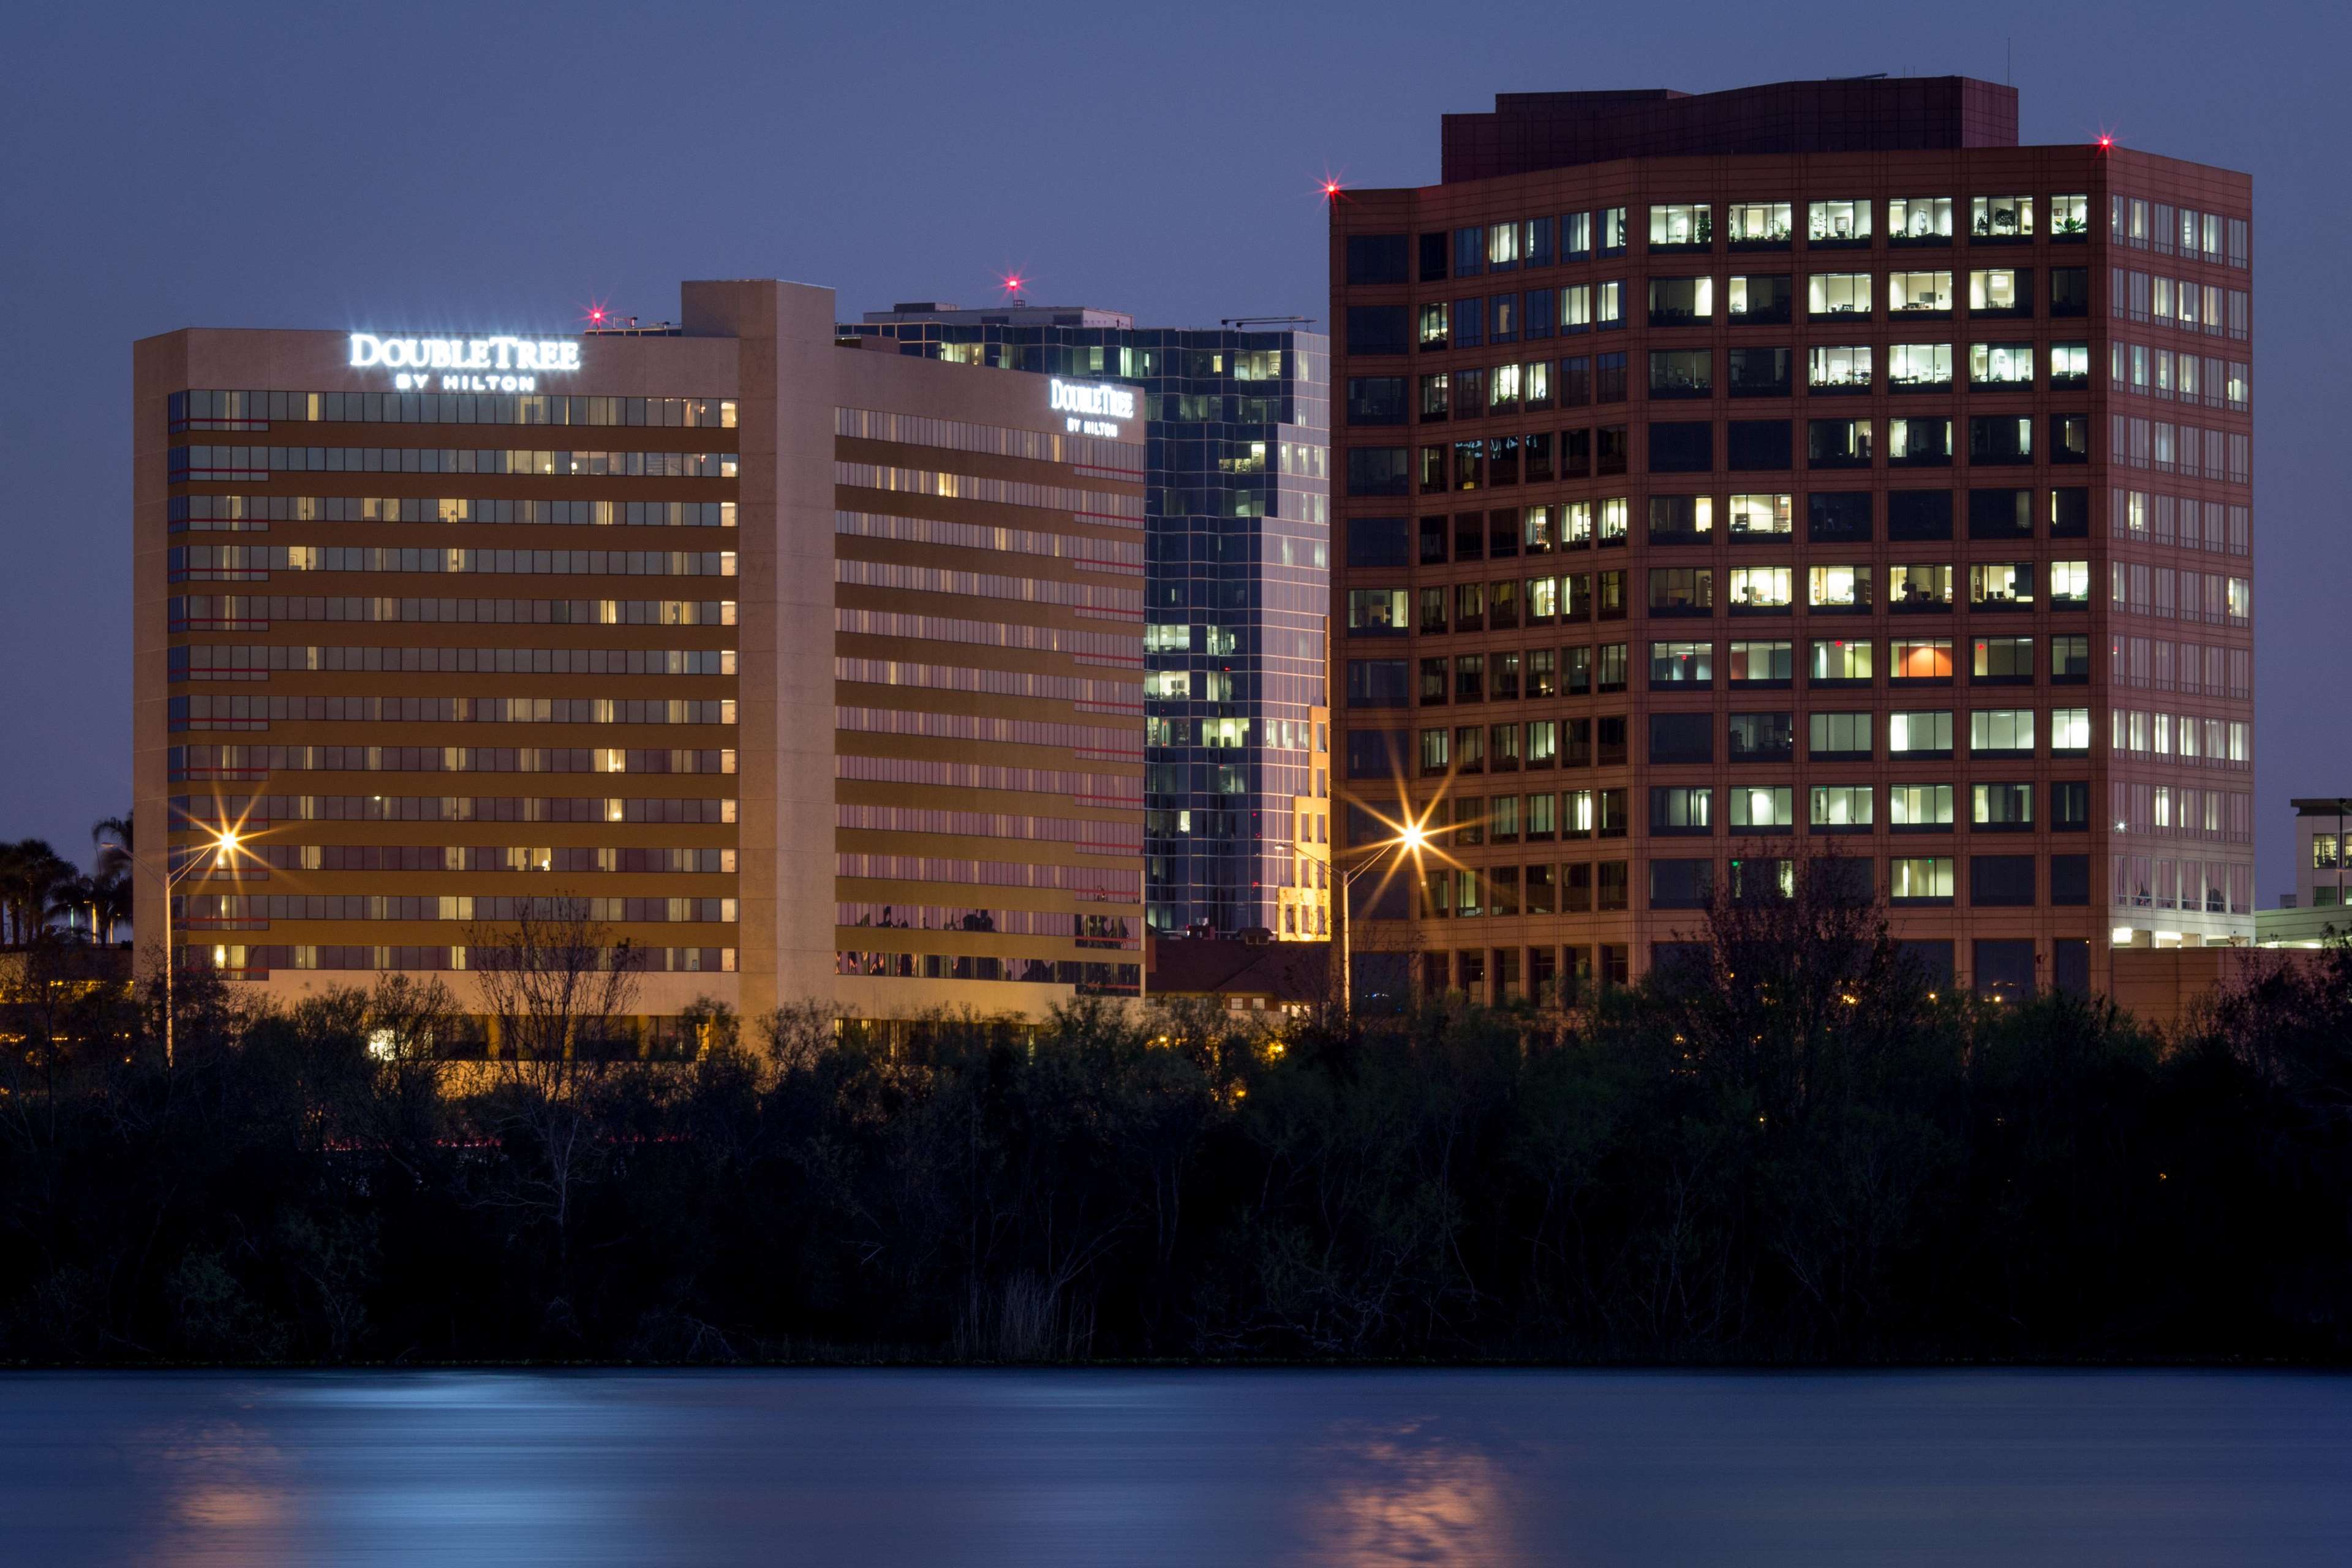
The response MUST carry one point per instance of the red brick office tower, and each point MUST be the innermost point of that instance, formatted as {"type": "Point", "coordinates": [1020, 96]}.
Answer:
{"type": "Point", "coordinates": [1729, 478]}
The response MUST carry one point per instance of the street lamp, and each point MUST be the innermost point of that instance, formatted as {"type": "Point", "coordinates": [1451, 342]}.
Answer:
{"type": "Point", "coordinates": [225, 844]}
{"type": "Point", "coordinates": [1410, 839]}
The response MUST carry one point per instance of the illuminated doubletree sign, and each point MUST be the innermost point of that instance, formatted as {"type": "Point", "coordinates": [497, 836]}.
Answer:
{"type": "Point", "coordinates": [1101, 399]}
{"type": "Point", "coordinates": [465, 364]}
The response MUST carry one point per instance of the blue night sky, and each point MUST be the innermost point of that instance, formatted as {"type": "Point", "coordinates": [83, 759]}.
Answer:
{"type": "Point", "coordinates": [502, 166]}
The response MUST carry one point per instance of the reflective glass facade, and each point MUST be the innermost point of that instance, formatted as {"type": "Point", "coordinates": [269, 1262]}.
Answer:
{"type": "Point", "coordinates": [1237, 588]}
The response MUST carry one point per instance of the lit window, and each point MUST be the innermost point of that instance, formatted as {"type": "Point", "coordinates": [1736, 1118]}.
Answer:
{"type": "Point", "coordinates": [1760, 515]}
{"type": "Point", "coordinates": [1838, 587]}
{"type": "Point", "coordinates": [1836, 223]}
{"type": "Point", "coordinates": [1759, 588]}
{"type": "Point", "coordinates": [2001, 217]}
{"type": "Point", "coordinates": [1839, 806]}
{"type": "Point", "coordinates": [2070, 217]}
{"type": "Point", "coordinates": [1763, 808]}
{"type": "Point", "coordinates": [1681, 226]}
{"type": "Point", "coordinates": [1839, 368]}
{"type": "Point", "coordinates": [1919, 587]}
{"type": "Point", "coordinates": [2001, 584]}
{"type": "Point", "coordinates": [1755, 225]}
{"type": "Point", "coordinates": [2001, 291]}
{"type": "Point", "coordinates": [1920, 880]}
{"type": "Point", "coordinates": [1836, 659]}
{"type": "Point", "coordinates": [2003, 364]}
{"type": "Point", "coordinates": [1919, 293]}
{"type": "Point", "coordinates": [1927, 733]}
{"type": "Point", "coordinates": [1920, 659]}
{"type": "Point", "coordinates": [1836, 294]}
{"type": "Point", "coordinates": [1919, 807]}
{"type": "Point", "coordinates": [1994, 729]}
{"type": "Point", "coordinates": [1919, 220]}
{"type": "Point", "coordinates": [1920, 367]}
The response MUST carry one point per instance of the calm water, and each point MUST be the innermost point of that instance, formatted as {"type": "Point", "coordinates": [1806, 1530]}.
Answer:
{"type": "Point", "coordinates": [1176, 1467]}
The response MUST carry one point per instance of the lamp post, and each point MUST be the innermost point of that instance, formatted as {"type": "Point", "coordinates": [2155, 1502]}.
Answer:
{"type": "Point", "coordinates": [225, 844]}
{"type": "Point", "coordinates": [1409, 838]}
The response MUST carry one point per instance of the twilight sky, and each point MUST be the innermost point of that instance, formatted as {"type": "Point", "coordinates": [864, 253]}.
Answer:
{"type": "Point", "coordinates": [492, 166]}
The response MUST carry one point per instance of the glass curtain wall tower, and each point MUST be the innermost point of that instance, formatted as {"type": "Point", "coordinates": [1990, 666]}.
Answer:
{"type": "Point", "coordinates": [1237, 432]}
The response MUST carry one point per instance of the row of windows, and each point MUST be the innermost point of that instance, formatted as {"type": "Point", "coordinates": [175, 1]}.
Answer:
{"type": "Point", "coordinates": [2185, 667]}
{"type": "Point", "coordinates": [1086, 506]}
{"type": "Point", "coordinates": [1083, 788]}
{"type": "Point", "coordinates": [1763, 446]}
{"type": "Point", "coordinates": [599, 858]}
{"type": "Point", "coordinates": [1087, 647]}
{"type": "Point", "coordinates": [256, 612]}
{"type": "Point", "coordinates": [254, 514]}
{"type": "Point", "coordinates": [214, 410]}
{"type": "Point", "coordinates": [1839, 223]}
{"type": "Point", "coordinates": [2157, 226]}
{"type": "Point", "coordinates": [1747, 299]}
{"type": "Point", "coordinates": [2142, 590]}
{"type": "Point", "coordinates": [1089, 979]}
{"type": "Point", "coordinates": [239, 962]}
{"type": "Point", "coordinates": [254, 562]}
{"type": "Point", "coordinates": [2159, 373]}
{"type": "Point", "coordinates": [1091, 695]}
{"type": "Point", "coordinates": [1110, 884]}
{"type": "Point", "coordinates": [1106, 459]}
{"type": "Point", "coordinates": [1106, 838]}
{"type": "Point", "coordinates": [2179, 302]}
{"type": "Point", "coordinates": [2154, 444]}
{"type": "Point", "coordinates": [1830, 736]}
{"type": "Point", "coordinates": [2182, 811]}
{"type": "Point", "coordinates": [2190, 739]}
{"type": "Point", "coordinates": [247, 761]}
{"type": "Point", "coordinates": [2197, 887]}
{"type": "Point", "coordinates": [1750, 517]}
{"type": "Point", "coordinates": [188, 464]}
{"type": "Point", "coordinates": [214, 812]}
{"type": "Point", "coordinates": [1100, 601]}
{"type": "Point", "coordinates": [1510, 892]}
{"type": "Point", "coordinates": [258, 712]}
{"type": "Point", "coordinates": [1090, 741]}
{"type": "Point", "coordinates": [1101, 554]}
{"type": "Point", "coordinates": [1833, 661]}
{"type": "Point", "coordinates": [1092, 930]}
{"type": "Point", "coordinates": [1840, 588]}
{"type": "Point", "coordinates": [238, 908]}
{"type": "Point", "coordinates": [1481, 391]}
{"type": "Point", "coordinates": [233, 662]}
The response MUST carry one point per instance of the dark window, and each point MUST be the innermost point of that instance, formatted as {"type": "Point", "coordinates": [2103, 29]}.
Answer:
{"type": "Point", "coordinates": [1758, 373]}
{"type": "Point", "coordinates": [1682, 737]}
{"type": "Point", "coordinates": [1919, 514]}
{"type": "Point", "coordinates": [1376, 400]}
{"type": "Point", "coordinates": [1575, 381]}
{"type": "Point", "coordinates": [1609, 452]}
{"type": "Point", "coordinates": [1432, 258]}
{"type": "Point", "coordinates": [1575, 454]}
{"type": "Point", "coordinates": [1432, 540]}
{"type": "Point", "coordinates": [1763, 737]}
{"type": "Point", "coordinates": [1377, 683]}
{"type": "Point", "coordinates": [1378, 753]}
{"type": "Point", "coordinates": [2070, 514]}
{"type": "Point", "coordinates": [2069, 805]}
{"type": "Point", "coordinates": [2000, 439]}
{"type": "Point", "coordinates": [1377, 471]}
{"type": "Point", "coordinates": [2069, 292]}
{"type": "Point", "coordinates": [2070, 660]}
{"type": "Point", "coordinates": [2070, 438]}
{"type": "Point", "coordinates": [2001, 514]}
{"type": "Point", "coordinates": [1469, 324]}
{"type": "Point", "coordinates": [1838, 516]}
{"type": "Point", "coordinates": [1609, 747]}
{"type": "Point", "coordinates": [1757, 444]}
{"type": "Point", "coordinates": [2070, 880]}
{"type": "Point", "coordinates": [1609, 378]}
{"type": "Point", "coordinates": [2001, 880]}
{"type": "Point", "coordinates": [1376, 541]}
{"type": "Point", "coordinates": [1675, 301]}
{"type": "Point", "coordinates": [1761, 302]}
{"type": "Point", "coordinates": [1376, 258]}
{"type": "Point", "coordinates": [2005, 968]}
{"type": "Point", "coordinates": [1377, 329]}
{"type": "Point", "coordinates": [1537, 445]}
{"type": "Point", "coordinates": [2070, 965]}
{"type": "Point", "coordinates": [1682, 448]}
{"type": "Point", "coordinates": [1919, 443]}
{"type": "Point", "coordinates": [1837, 443]}
{"type": "Point", "coordinates": [1933, 960]}
{"type": "Point", "coordinates": [1682, 372]}
{"type": "Point", "coordinates": [1469, 252]}
{"type": "Point", "coordinates": [1681, 884]}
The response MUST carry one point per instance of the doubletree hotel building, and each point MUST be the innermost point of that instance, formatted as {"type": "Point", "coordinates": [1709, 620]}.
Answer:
{"type": "Point", "coordinates": [816, 672]}
{"type": "Point", "coordinates": [1731, 478]}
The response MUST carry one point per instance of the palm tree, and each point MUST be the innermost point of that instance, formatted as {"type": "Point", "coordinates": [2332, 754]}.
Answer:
{"type": "Point", "coordinates": [71, 896]}
{"type": "Point", "coordinates": [111, 906]}
{"type": "Point", "coordinates": [111, 837]}
{"type": "Point", "coordinates": [29, 869]}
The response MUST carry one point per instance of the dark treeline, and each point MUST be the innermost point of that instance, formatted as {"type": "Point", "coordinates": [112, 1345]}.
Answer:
{"type": "Point", "coordinates": [1791, 1153]}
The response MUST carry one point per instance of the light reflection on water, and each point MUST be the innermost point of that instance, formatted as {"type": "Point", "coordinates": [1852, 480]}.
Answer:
{"type": "Point", "coordinates": [1042, 1467]}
